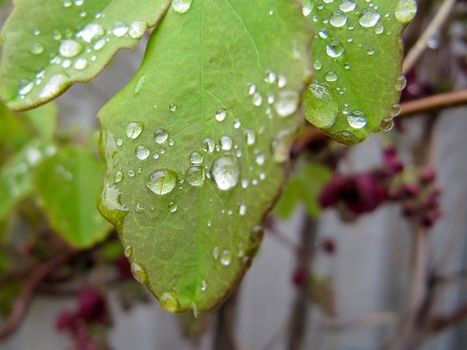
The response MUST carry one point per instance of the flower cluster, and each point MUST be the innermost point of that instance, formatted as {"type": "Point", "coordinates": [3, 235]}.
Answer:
{"type": "Point", "coordinates": [356, 194]}
{"type": "Point", "coordinates": [91, 311]}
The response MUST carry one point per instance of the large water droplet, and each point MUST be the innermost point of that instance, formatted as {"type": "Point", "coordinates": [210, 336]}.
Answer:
{"type": "Point", "coordinates": [225, 172]}
{"type": "Point", "coordinates": [405, 11]}
{"type": "Point", "coordinates": [134, 129]}
{"type": "Point", "coordinates": [162, 182]}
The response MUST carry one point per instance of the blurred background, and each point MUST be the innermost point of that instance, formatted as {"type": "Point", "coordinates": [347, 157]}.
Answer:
{"type": "Point", "coordinates": [366, 250]}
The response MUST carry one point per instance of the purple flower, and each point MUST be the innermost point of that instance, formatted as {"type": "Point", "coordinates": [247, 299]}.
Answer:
{"type": "Point", "coordinates": [358, 193]}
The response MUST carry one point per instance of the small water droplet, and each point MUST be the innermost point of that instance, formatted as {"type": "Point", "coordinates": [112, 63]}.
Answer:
{"type": "Point", "coordinates": [138, 272]}
{"type": "Point", "coordinates": [181, 6]}
{"type": "Point", "coordinates": [226, 173]}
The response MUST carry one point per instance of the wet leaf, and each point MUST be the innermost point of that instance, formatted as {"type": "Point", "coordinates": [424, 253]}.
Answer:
{"type": "Point", "coordinates": [68, 184]}
{"type": "Point", "coordinates": [357, 62]}
{"type": "Point", "coordinates": [195, 145]}
{"type": "Point", "coordinates": [304, 187]}
{"type": "Point", "coordinates": [50, 44]}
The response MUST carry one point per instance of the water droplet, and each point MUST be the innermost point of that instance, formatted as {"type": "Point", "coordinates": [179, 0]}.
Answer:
{"type": "Point", "coordinates": [142, 152]}
{"type": "Point", "coordinates": [80, 64]}
{"type": "Point", "coordinates": [226, 257]}
{"type": "Point", "coordinates": [405, 11]}
{"type": "Point", "coordinates": [334, 49]}
{"type": "Point", "coordinates": [91, 32]}
{"type": "Point", "coordinates": [120, 29]}
{"type": "Point", "coordinates": [347, 5]}
{"type": "Point", "coordinates": [357, 119]}
{"type": "Point", "coordinates": [173, 207]}
{"type": "Point", "coordinates": [118, 176]}
{"type": "Point", "coordinates": [196, 158]}
{"type": "Point", "coordinates": [181, 6]}
{"type": "Point", "coordinates": [172, 107]}
{"type": "Point", "coordinates": [25, 87]}
{"type": "Point", "coordinates": [138, 273]}
{"type": "Point", "coordinates": [128, 251]}
{"type": "Point", "coordinates": [204, 286]}
{"type": "Point", "coordinates": [338, 19]}
{"type": "Point", "coordinates": [162, 182]}
{"type": "Point", "coordinates": [281, 145]}
{"type": "Point", "coordinates": [139, 85]}
{"type": "Point", "coordinates": [161, 136]}
{"type": "Point", "coordinates": [195, 176]}
{"type": "Point", "coordinates": [169, 301]}
{"type": "Point", "coordinates": [37, 48]}
{"type": "Point", "coordinates": [134, 129]}
{"type": "Point", "coordinates": [287, 103]}
{"type": "Point", "coordinates": [221, 114]}
{"type": "Point", "coordinates": [225, 172]}
{"type": "Point", "coordinates": [226, 143]}
{"type": "Point", "coordinates": [53, 86]}
{"type": "Point", "coordinates": [70, 48]}
{"type": "Point", "coordinates": [250, 137]}
{"type": "Point", "coordinates": [137, 29]}
{"type": "Point", "coordinates": [369, 18]}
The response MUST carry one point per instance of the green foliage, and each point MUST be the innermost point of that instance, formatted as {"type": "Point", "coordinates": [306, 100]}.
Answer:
{"type": "Point", "coordinates": [68, 184]}
{"type": "Point", "coordinates": [50, 44]}
{"type": "Point", "coordinates": [195, 145]}
{"type": "Point", "coordinates": [195, 151]}
{"type": "Point", "coordinates": [357, 62]}
{"type": "Point", "coordinates": [16, 176]}
{"type": "Point", "coordinates": [304, 187]}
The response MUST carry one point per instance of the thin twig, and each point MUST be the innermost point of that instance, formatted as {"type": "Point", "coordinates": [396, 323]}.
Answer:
{"type": "Point", "coordinates": [433, 103]}
{"type": "Point", "coordinates": [422, 43]}
{"type": "Point", "coordinates": [24, 300]}
{"type": "Point", "coordinates": [442, 322]}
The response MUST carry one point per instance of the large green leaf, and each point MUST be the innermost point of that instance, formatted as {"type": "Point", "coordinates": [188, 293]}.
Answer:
{"type": "Point", "coordinates": [50, 44]}
{"type": "Point", "coordinates": [68, 184]}
{"type": "Point", "coordinates": [357, 62]}
{"type": "Point", "coordinates": [195, 145]}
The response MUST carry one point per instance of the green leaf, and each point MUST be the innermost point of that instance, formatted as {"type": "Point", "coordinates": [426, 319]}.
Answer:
{"type": "Point", "coordinates": [68, 184]}
{"type": "Point", "coordinates": [195, 152]}
{"type": "Point", "coordinates": [304, 187]}
{"type": "Point", "coordinates": [357, 61]}
{"type": "Point", "coordinates": [16, 175]}
{"type": "Point", "coordinates": [15, 133]}
{"type": "Point", "coordinates": [43, 120]}
{"type": "Point", "coordinates": [50, 44]}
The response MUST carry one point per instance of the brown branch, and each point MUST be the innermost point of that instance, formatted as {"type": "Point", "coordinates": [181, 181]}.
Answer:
{"type": "Point", "coordinates": [300, 307]}
{"type": "Point", "coordinates": [26, 296]}
{"type": "Point", "coordinates": [442, 322]}
{"type": "Point", "coordinates": [433, 103]}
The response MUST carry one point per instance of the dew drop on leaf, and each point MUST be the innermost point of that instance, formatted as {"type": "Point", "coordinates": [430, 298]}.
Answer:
{"type": "Point", "coordinates": [226, 173]}
{"type": "Point", "coordinates": [134, 129]}
{"type": "Point", "coordinates": [162, 182]}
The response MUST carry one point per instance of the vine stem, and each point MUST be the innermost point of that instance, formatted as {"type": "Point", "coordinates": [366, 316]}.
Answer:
{"type": "Point", "coordinates": [300, 306]}
{"type": "Point", "coordinates": [21, 306]}
{"type": "Point", "coordinates": [422, 43]}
